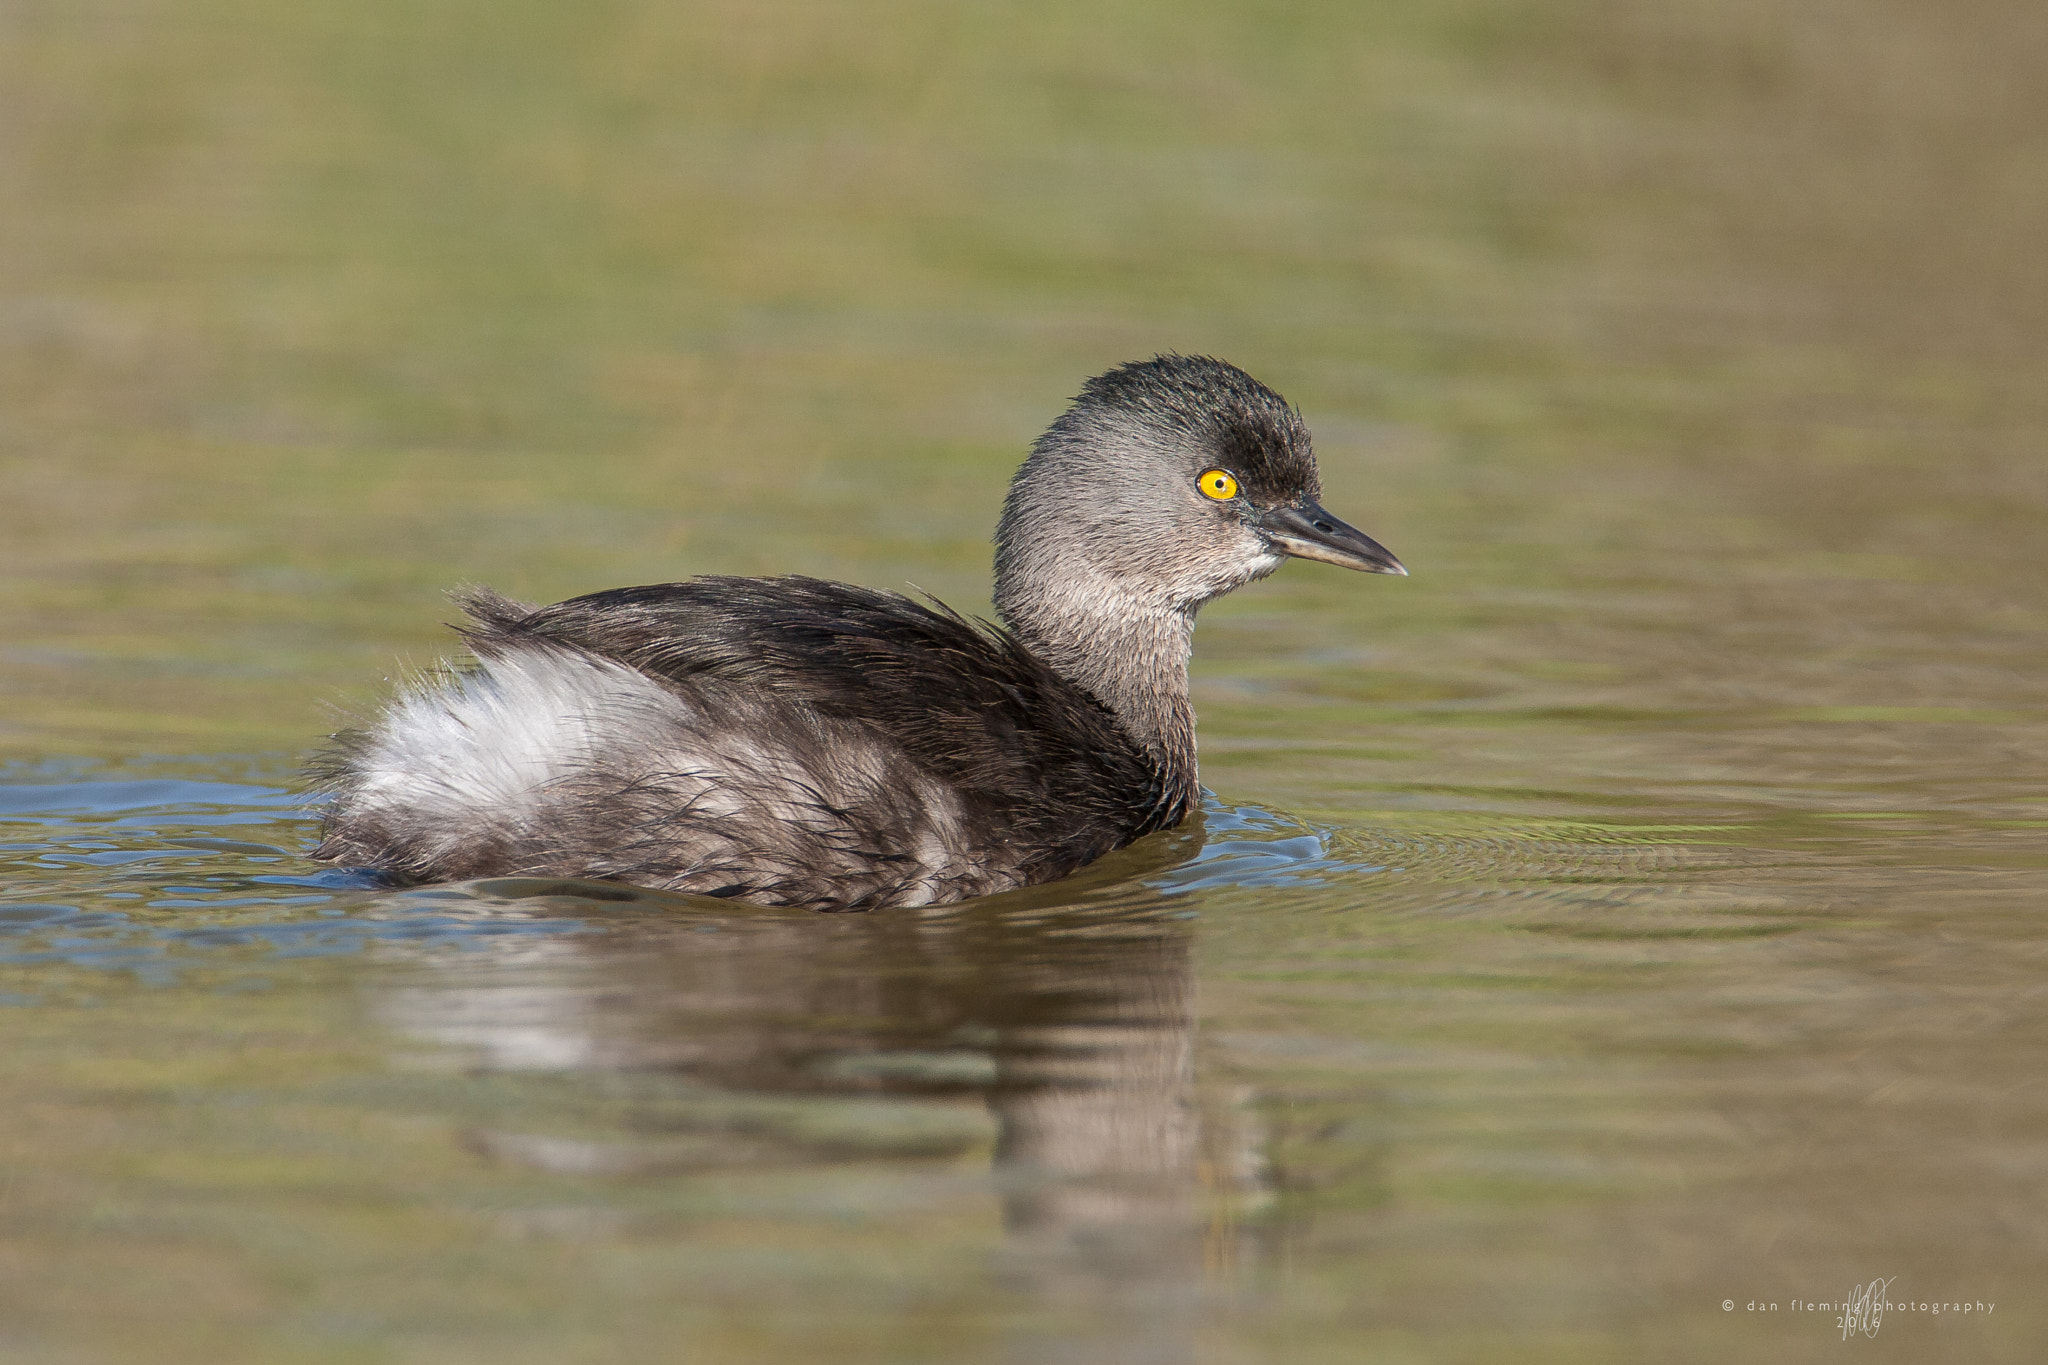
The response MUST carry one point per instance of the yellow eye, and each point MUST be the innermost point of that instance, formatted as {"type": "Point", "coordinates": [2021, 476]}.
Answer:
{"type": "Point", "coordinates": [1219, 484]}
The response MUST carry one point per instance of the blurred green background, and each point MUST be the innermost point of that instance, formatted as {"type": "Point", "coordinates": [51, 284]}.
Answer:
{"type": "Point", "coordinates": [312, 310]}
{"type": "Point", "coordinates": [1674, 913]}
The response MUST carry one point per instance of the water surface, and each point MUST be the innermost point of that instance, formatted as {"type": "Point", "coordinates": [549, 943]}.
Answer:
{"type": "Point", "coordinates": [1634, 917]}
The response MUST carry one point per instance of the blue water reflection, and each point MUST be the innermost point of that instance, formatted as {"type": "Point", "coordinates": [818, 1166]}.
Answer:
{"type": "Point", "coordinates": [118, 875]}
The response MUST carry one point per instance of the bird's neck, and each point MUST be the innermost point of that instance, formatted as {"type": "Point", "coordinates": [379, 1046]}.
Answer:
{"type": "Point", "coordinates": [1129, 654]}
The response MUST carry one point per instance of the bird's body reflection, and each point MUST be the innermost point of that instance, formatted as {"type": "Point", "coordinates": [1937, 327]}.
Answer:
{"type": "Point", "coordinates": [1064, 1014]}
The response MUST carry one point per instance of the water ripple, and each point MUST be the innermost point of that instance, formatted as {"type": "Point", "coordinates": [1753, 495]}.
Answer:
{"type": "Point", "coordinates": [128, 875]}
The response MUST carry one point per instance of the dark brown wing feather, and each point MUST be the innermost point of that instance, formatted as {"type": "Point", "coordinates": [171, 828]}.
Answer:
{"type": "Point", "coordinates": [1039, 764]}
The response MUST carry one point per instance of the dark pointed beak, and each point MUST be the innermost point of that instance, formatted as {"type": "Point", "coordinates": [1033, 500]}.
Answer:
{"type": "Point", "coordinates": [1306, 531]}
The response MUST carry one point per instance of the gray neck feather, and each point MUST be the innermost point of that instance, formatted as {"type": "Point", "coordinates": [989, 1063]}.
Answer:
{"type": "Point", "coordinates": [1103, 556]}
{"type": "Point", "coordinates": [1129, 652]}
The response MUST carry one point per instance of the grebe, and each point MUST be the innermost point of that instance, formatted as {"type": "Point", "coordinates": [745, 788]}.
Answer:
{"type": "Point", "coordinates": [788, 741]}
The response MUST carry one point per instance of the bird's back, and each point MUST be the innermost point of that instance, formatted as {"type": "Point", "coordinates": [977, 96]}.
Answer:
{"type": "Point", "coordinates": [781, 740]}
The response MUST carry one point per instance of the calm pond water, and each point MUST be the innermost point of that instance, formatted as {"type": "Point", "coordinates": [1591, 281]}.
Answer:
{"type": "Point", "coordinates": [1622, 941]}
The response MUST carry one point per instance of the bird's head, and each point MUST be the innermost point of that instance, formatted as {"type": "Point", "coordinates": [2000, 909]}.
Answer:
{"type": "Point", "coordinates": [1168, 482]}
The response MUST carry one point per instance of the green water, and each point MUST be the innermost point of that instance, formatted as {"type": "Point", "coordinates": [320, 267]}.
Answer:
{"type": "Point", "coordinates": [1640, 908]}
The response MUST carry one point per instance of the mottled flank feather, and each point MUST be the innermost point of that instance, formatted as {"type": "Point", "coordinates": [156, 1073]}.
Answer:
{"type": "Point", "coordinates": [783, 741]}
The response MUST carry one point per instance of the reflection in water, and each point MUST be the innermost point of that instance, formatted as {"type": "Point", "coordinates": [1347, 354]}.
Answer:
{"type": "Point", "coordinates": [1064, 1014]}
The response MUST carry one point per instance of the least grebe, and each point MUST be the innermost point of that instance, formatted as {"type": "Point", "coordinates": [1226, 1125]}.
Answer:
{"type": "Point", "coordinates": [788, 741]}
